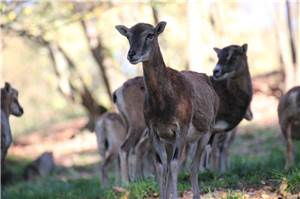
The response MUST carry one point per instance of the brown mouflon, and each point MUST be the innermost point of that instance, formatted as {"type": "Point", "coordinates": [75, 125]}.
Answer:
{"type": "Point", "coordinates": [232, 81]}
{"type": "Point", "coordinates": [110, 132]}
{"type": "Point", "coordinates": [179, 107]}
{"type": "Point", "coordinates": [289, 120]}
{"type": "Point", "coordinates": [9, 106]}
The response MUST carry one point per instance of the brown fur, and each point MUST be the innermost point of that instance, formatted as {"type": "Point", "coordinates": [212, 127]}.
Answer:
{"type": "Point", "coordinates": [220, 150]}
{"type": "Point", "coordinates": [289, 120]}
{"type": "Point", "coordinates": [174, 103]}
{"type": "Point", "coordinates": [221, 143]}
{"type": "Point", "coordinates": [235, 92]}
{"type": "Point", "coordinates": [9, 106]}
{"type": "Point", "coordinates": [173, 99]}
{"type": "Point", "coordinates": [110, 132]}
{"type": "Point", "coordinates": [129, 99]}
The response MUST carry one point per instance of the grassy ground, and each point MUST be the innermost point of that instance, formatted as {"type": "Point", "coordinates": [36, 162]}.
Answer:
{"type": "Point", "coordinates": [256, 171]}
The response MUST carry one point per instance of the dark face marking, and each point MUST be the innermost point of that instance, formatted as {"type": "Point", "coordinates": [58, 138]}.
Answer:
{"type": "Point", "coordinates": [141, 39]}
{"type": "Point", "coordinates": [9, 100]}
{"type": "Point", "coordinates": [231, 61]}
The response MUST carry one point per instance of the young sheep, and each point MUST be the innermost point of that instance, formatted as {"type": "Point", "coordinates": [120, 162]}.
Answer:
{"type": "Point", "coordinates": [110, 132]}
{"type": "Point", "coordinates": [289, 120]}
{"type": "Point", "coordinates": [129, 99]}
{"type": "Point", "coordinates": [9, 106]}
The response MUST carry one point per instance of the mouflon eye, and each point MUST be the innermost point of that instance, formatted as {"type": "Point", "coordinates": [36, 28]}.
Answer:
{"type": "Point", "coordinates": [150, 36]}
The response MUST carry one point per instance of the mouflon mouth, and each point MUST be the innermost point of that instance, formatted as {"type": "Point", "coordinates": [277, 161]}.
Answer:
{"type": "Point", "coordinates": [19, 114]}
{"type": "Point", "coordinates": [216, 77]}
{"type": "Point", "coordinates": [133, 60]}
{"type": "Point", "coordinates": [223, 76]}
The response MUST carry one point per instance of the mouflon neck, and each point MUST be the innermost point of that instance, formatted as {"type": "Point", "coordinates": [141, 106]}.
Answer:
{"type": "Point", "coordinates": [156, 77]}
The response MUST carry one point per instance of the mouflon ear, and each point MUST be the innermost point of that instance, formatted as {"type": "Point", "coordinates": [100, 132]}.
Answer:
{"type": "Point", "coordinates": [217, 50]}
{"type": "Point", "coordinates": [123, 30]}
{"type": "Point", "coordinates": [7, 87]}
{"type": "Point", "coordinates": [245, 47]}
{"type": "Point", "coordinates": [160, 27]}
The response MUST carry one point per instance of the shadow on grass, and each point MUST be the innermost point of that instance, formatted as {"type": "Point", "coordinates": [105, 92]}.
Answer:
{"type": "Point", "coordinates": [13, 170]}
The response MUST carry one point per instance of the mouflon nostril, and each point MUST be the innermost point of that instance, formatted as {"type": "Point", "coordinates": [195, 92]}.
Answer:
{"type": "Point", "coordinates": [131, 53]}
{"type": "Point", "coordinates": [217, 72]}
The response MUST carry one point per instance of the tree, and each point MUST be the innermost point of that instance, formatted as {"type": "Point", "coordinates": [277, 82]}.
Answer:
{"type": "Point", "coordinates": [97, 50]}
{"type": "Point", "coordinates": [70, 82]}
{"type": "Point", "coordinates": [286, 34]}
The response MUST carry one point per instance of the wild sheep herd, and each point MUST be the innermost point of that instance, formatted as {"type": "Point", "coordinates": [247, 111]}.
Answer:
{"type": "Point", "coordinates": [171, 119]}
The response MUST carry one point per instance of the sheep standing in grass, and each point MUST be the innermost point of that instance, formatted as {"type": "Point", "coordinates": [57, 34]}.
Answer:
{"type": "Point", "coordinates": [9, 106]}
{"type": "Point", "coordinates": [110, 132]}
{"type": "Point", "coordinates": [289, 120]}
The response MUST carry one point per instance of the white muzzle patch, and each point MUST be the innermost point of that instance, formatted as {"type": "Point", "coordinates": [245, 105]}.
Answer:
{"type": "Point", "coordinates": [220, 125]}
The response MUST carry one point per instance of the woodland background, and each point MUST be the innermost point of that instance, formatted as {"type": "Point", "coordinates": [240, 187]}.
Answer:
{"type": "Point", "coordinates": [66, 59]}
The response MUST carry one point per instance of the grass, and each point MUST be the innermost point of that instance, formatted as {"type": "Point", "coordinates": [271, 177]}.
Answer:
{"type": "Point", "coordinates": [259, 166]}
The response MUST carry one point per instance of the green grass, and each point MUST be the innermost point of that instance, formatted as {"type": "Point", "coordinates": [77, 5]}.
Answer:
{"type": "Point", "coordinates": [262, 164]}
{"type": "Point", "coordinates": [54, 188]}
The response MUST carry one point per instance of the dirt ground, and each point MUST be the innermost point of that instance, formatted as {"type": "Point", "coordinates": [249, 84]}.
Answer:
{"type": "Point", "coordinates": [69, 146]}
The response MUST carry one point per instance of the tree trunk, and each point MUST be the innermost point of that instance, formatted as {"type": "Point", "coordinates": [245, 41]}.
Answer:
{"type": "Point", "coordinates": [290, 31]}
{"type": "Point", "coordinates": [282, 29]}
{"type": "Point", "coordinates": [65, 85]}
{"type": "Point", "coordinates": [97, 50]}
{"type": "Point", "coordinates": [154, 13]}
{"type": "Point", "coordinates": [292, 9]}
{"type": "Point", "coordinates": [87, 100]}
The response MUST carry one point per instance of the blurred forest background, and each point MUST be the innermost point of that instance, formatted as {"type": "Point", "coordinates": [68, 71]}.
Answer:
{"type": "Point", "coordinates": [66, 58]}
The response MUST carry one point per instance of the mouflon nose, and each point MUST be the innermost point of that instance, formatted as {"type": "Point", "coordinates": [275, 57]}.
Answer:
{"type": "Point", "coordinates": [217, 71]}
{"type": "Point", "coordinates": [131, 53]}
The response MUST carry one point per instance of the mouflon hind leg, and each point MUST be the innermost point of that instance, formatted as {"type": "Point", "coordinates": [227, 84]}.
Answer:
{"type": "Point", "coordinates": [196, 164]}
{"type": "Point", "coordinates": [290, 151]}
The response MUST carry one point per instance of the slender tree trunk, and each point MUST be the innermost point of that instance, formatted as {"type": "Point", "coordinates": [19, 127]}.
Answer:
{"type": "Point", "coordinates": [282, 30]}
{"type": "Point", "coordinates": [290, 31]}
{"type": "Point", "coordinates": [87, 100]}
{"type": "Point", "coordinates": [97, 50]}
{"type": "Point", "coordinates": [292, 9]}
{"type": "Point", "coordinates": [64, 85]}
{"type": "Point", "coordinates": [93, 108]}
{"type": "Point", "coordinates": [216, 19]}
{"type": "Point", "coordinates": [154, 13]}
